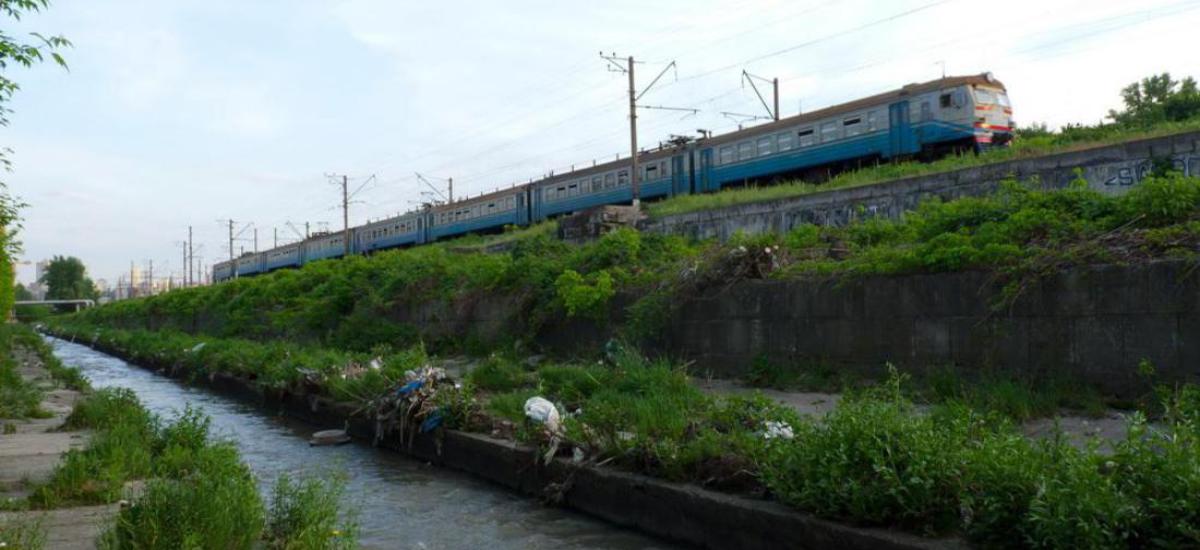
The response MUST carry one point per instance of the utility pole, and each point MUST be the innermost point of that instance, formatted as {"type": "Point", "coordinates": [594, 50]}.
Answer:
{"type": "Point", "coordinates": [191, 260]}
{"type": "Point", "coordinates": [450, 188]}
{"type": "Point", "coordinates": [633, 156]}
{"type": "Point", "coordinates": [275, 240]}
{"type": "Point", "coordinates": [131, 278]}
{"type": "Point", "coordinates": [775, 85]}
{"type": "Point", "coordinates": [231, 240]}
{"type": "Point", "coordinates": [345, 215]}
{"type": "Point", "coordinates": [185, 263]}
{"type": "Point", "coordinates": [347, 194]}
{"type": "Point", "coordinates": [615, 66]}
{"type": "Point", "coordinates": [150, 280]}
{"type": "Point", "coordinates": [256, 240]}
{"type": "Point", "coordinates": [306, 231]}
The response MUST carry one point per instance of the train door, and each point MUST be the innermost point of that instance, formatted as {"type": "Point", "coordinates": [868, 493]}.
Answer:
{"type": "Point", "coordinates": [900, 137]}
{"type": "Point", "coordinates": [679, 182]}
{"type": "Point", "coordinates": [704, 179]}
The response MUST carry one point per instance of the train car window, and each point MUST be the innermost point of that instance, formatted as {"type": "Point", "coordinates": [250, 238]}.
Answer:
{"type": "Point", "coordinates": [984, 97]}
{"type": "Point", "coordinates": [745, 150]}
{"type": "Point", "coordinates": [872, 120]}
{"type": "Point", "coordinates": [597, 184]}
{"type": "Point", "coordinates": [806, 137]}
{"type": "Point", "coordinates": [853, 126]}
{"type": "Point", "coordinates": [610, 181]}
{"type": "Point", "coordinates": [926, 111]}
{"type": "Point", "coordinates": [623, 177]}
{"type": "Point", "coordinates": [783, 141]}
{"type": "Point", "coordinates": [1002, 99]}
{"type": "Point", "coordinates": [572, 190]}
{"type": "Point", "coordinates": [766, 145]}
{"type": "Point", "coordinates": [665, 168]}
{"type": "Point", "coordinates": [945, 101]}
{"type": "Point", "coordinates": [726, 155]}
{"type": "Point", "coordinates": [829, 132]}
{"type": "Point", "coordinates": [651, 172]}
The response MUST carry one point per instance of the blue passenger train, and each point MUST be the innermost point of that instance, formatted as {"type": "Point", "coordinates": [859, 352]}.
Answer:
{"type": "Point", "coordinates": [916, 121]}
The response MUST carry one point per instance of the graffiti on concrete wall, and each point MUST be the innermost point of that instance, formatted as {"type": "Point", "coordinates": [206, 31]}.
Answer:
{"type": "Point", "coordinates": [1129, 173]}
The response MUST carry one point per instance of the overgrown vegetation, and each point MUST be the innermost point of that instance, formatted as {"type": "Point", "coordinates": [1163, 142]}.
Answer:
{"type": "Point", "coordinates": [21, 397]}
{"type": "Point", "coordinates": [959, 465]}
{"type": "Point", "coordinates": [1021, 232]}
{"type": "Point", "coordinates": [197, 492]}
{"type": "Point", "coordinates": [22, 534]}
{"type": "Point", "coordinates": [1016, 397]}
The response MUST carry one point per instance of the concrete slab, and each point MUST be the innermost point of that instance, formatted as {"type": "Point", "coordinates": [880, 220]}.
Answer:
{"type": "Point", "coordinates": [68, 528]}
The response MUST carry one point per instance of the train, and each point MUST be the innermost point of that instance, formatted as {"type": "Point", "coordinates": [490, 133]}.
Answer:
{"type": "Point", "coordinates": [919, 120]}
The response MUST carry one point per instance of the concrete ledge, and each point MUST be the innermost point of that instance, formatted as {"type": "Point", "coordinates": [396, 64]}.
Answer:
{"type": "Point", "coordinates": [678, 512]}
{"type": "Point", "coordinates": [1110, 169]}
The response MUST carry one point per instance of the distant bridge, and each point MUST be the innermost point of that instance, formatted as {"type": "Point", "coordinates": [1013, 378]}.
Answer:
{"type": "Point", "coordinates": [79, 304]}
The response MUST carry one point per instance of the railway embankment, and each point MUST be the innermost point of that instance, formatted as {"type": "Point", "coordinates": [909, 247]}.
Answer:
{"type": "Point", "coordinates": [1070, 281]}
{"type": "Point", "coordinates": [1107, 168]}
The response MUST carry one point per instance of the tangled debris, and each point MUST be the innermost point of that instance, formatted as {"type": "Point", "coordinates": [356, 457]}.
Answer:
{"type": "Point", "coordinates": [410, 408]}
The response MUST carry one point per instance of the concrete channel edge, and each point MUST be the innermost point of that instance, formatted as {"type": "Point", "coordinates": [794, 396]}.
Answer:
{"type": "Point", "coordinates": [673, 511]}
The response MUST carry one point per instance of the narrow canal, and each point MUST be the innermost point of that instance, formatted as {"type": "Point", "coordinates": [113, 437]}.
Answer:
{"type": "Point", "coordinates": [402, 503]}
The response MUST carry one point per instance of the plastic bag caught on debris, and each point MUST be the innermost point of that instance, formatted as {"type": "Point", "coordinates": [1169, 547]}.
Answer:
{"type": "Point", "coordinates": [196, 348]}
{"type": "Point", "coordinates": [539, 410]}
{"type": "Point", "coordinates": [543, 412]}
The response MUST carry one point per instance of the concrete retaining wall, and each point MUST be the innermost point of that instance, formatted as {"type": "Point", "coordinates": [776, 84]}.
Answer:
{"type": "Point", "coordinates": [1092, 324]}
{"type": "Point", "coordinates": [679, 512]}
{"type": "Point", "coordinates": [1109, 169]}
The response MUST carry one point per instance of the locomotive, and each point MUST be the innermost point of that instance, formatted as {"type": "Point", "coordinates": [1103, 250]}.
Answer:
{"type": "Point", "coordinates": [920, 120]}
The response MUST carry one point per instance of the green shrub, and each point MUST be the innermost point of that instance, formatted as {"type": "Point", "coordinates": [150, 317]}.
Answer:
{"type": "Point", "coordinates": [212, 503]}
{"type": "Point", "coordinates": [304, 515]}
{"type": "Point", "coordinates": [498, 374]}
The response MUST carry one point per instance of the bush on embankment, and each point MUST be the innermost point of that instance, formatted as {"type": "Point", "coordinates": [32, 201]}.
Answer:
{"type": "Point", "coordinates": [875, 460]}
{"type": "Point", "coordinates": [1020, 232]}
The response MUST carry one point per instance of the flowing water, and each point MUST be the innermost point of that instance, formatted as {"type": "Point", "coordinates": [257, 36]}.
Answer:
{"type": "Point", "coordinates": [402, 503]}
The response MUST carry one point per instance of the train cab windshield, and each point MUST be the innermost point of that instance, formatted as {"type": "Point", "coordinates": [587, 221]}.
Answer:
{"type": "Point", "coordinates": [985, 96]}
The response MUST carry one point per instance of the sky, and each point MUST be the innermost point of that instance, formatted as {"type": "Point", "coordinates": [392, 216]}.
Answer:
{"type": "Point", "coordinates": [190, 112]}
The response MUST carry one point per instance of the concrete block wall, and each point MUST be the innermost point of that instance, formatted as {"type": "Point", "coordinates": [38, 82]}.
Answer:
{"type": "Point", "coordinates": [1109, 169]}
{"type": "Point", "coordinates": [1093, 324]}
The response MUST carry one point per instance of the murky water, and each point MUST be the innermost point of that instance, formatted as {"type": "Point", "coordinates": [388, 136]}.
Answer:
{"type": "Point", "coordinates": [403, 503]}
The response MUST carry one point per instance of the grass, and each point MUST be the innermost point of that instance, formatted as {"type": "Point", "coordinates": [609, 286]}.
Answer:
{"type": "Point", "coordinates": [305, 514]}
{"type": "Point", "coordinates": [198, 493]}
{"type": "Point", "coordinates": [1016, 397]}
{"type": "Point", "coordinates": [1021, 234]}
{"type": "Point", "coordinates": [959, 465]}
{"type": "Point", "coordinates": [1072, 139]}
{"type": "Point", "coordinates": [22, 534]}
{"type": "Point", "coordinates": [20, 397]}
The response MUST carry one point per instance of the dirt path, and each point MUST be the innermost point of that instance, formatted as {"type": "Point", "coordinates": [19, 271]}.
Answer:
{"type": "Point", "coordinates": [29, 451]}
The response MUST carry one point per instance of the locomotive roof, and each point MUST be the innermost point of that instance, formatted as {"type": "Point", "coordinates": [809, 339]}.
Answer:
{"type": "Point", "coordinates": [860, 104]}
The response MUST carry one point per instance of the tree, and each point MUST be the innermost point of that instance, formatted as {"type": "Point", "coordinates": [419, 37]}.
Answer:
{"type": "Point", "coordinates": [27, 54]}
{"type": "Point", "coordinates": [66, 279]}
{"type": "Point", "coordinates": [22, 293]}
{"type": "Point", "coordinates": [1158, 98]}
